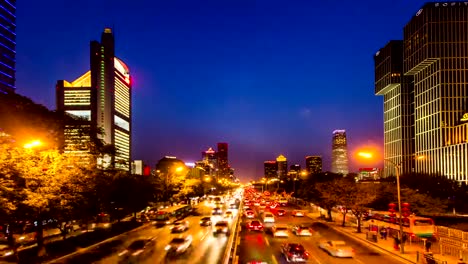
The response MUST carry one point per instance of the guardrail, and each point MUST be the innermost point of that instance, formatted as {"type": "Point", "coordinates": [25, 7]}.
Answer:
{"type": "Point", "coordinates": [231, 246]}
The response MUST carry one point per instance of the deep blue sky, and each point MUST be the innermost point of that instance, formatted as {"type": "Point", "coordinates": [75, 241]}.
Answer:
{"type": "Point", "coordinates": [268, 77]}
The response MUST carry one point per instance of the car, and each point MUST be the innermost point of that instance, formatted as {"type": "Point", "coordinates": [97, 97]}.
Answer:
{"type": "Point", "coordinates": [302, 230]}
{"type": "Point", "coordinates": [180, 226]}
{"type": "Point", "coordinates": [337, 248]}
{"type": "Point", "coordinates": [280, 231]}
{"type": "Point", "coordinates": [221, 227]}
{"type": "Point", "coordinates": [280, 212]}
{"type": "Point", "coordinates": [179, 245]}
{"type": "Point", "coordinates": [254, 225]}
{"type": "Point", "coordinates": [297, 213]}
{"type": "Point", "coordinates": [205, 221]}
{"type": "Point", "coordinates": [217, 211]}
{"type": "Point", "coordinates": [249, 214]}
{"type": "Point", "coordinates": [228, 214]}
{"type": "Point", "coordinates": [138, 248]}
{"type": "Point", "coordinates": [294, 252]}
{"type": "Point", "coordinates": [268, 218]}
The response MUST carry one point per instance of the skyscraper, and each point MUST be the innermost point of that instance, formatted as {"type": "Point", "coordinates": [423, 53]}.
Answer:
{"type": "Point", "coordinates": [282, 164]}
{"type": "Point", "coordinates": [339, 152]}
{"type": "Point", "coordinates": [270, 169]}
{"type": "Point", "coordinates": [102, 96]}
{"type": "Point", "coordinates": [223, 162]}
{"type": "Point", "coordinates": [8, 46]}
{"type": "Point", "coordinates": [314, 164]}
{"type": "Point", "coordinates": [434, 107]}
{"type": "Point", "coordinates": [397, 90]}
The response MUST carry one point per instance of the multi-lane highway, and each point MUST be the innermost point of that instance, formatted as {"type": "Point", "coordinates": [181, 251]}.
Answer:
{"type": "Point", "coordinates": [206, 248]}
{"type": "Point", "coordinates": [263, 247]}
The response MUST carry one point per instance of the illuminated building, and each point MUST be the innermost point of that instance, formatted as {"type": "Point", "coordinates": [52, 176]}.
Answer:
{"type": "Point", "coordinates": [435, 56]}
{"type": "Point", "coordinates": [282, 164]}
{"type": "Point", "coordinates": [270, 169]}
{"type": "Point", "coordinates": [7, 45]}
{"type": "Point", "coordinates": [294, 171]}
{"type": "Point", "coordinates": [368, 174]}
{"type": "Point", "coordinates": [314, 164]}
{"type": "Point", "coordinates": [398, 94]}
{"type": "Point", "coordinates": [339, 152]}
{"type": "Point", "coordinates": [210, 157]}
{"type": "Point", "coordinates": [101, 96]}
{"type": "Point", "coordinates": [223, 162]}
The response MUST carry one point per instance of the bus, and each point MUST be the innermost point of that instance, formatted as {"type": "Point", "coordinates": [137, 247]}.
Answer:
{"type": "Point", "coordinates": [169, 215]}
{"type": "Point", "coordinates": [415, 226]}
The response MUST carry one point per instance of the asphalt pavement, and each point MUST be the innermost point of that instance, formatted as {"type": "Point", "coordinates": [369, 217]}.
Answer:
{"type": "Point", "coordinates": [262, 246]}
{"type": "Point", "coordinates": [206, 248]}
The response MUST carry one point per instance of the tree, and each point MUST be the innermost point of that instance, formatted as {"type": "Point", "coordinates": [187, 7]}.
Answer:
{"type": "Point", "coordinates": [44, 181]}
{"type": "Point", "coordinates": [359, 199]}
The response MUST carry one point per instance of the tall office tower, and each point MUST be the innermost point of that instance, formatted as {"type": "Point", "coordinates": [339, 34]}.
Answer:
{"type": "Point", "coordinates": [7, 46]}
{"type": "Point", "coordinates": [314, 164]}
{"type": "Point", "coordinates": [103, 97]}
{"type": "Point", "coordinates": [282, 164]}
{"type": "Point", "coordinates": [339, 152]}
{"type": "Point", "coordinates": [397, 90]}
{"type": "Point", "coordinates": [270, 169]}
{"type": "Point", "coordinates": [435, 55]}
{"type": "Point", "coordinates": [210, 158]}
{"type": "Point", "coordinates": [223, 162]}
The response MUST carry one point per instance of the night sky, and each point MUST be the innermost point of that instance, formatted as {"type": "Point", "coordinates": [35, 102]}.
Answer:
{"type": "Point", "coordinates": [268, 77]}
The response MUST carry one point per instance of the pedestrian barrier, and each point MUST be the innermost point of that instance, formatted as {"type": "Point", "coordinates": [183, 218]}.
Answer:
{"type": "Point", "coordinates": [428, 258]}
{"type": "Point", "coordinates": [231, 246]}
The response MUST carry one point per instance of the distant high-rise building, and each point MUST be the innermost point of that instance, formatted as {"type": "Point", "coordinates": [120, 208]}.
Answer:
{"type": "Point", "coordinates": [424, 83]}
{"type": "Point", "coordinates": [314, 164]}
{"type": "Point", "coordinates": [294, 171]}
{"type": "Point", "coordinates": [270, 169]}
{"type": "Point", "coordinates": [102, 96]}
{"type": "Point", "coordinates": [8, 46]}
{"type": "Point", "coordinates": [339, 152]}
{"type": "Point", "coordinates": [295, 167]}
{"type": "Point", "coordinates": [209, 156]}
{"type": "Point", "coordinates": [282, 164]}
{"type": "Point", "coordinates": [223, 161]}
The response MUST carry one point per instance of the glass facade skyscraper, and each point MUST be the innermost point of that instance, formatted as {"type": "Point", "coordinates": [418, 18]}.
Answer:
{"type": "Point", "coordinates": [102, 96]}
{"type": "Point", "coordinates": [7, 45]}
{"type": "Point", "coordinates": [426, 99]}
{"type": "Point", "coordinates": [339, 152]}
{"type": "Point", "coordinates": [314, 164]}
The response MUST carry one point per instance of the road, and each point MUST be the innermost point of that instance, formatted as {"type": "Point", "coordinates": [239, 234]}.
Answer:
{"type": "Point", "coordinates": [206, 248]}
{"type": "Point", "coordinates": [262, 246]}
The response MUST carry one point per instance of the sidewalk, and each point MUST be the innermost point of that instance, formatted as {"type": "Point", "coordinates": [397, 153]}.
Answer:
{"type": "Point", "coordinates": [411, 250]}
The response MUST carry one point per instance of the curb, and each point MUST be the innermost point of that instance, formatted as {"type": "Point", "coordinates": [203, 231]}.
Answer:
{"type": "Point", "coordinates": [82, 250]}
{"type": "Point", "coordinates": [388, 252]}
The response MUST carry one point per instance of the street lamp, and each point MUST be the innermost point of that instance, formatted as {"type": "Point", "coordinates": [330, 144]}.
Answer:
{"type": "Point", "coordinates": [32, 144]}
{"type": "Point", "coordinates": [397, 167]}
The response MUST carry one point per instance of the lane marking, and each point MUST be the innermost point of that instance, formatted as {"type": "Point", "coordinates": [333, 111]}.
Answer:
{"type": "Point", "coordinates": [267, 242]}
{"type": "Point", "coordinates": [273, 258]}
{"type": "Point", "coordinates": [357, 260]}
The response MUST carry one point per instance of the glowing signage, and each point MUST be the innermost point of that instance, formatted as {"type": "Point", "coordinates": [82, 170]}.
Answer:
{"type": "Point", "coordinates": [464, 117]}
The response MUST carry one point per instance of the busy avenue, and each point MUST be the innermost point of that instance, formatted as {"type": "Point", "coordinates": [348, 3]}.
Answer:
{"type": "Point", "coordinates": [192, 241]}
{"type": "Point", "coordinates": [308, 238]}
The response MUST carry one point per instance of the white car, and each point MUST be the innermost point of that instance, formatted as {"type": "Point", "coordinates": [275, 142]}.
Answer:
{"type": "Point", "coordinates": [337, 248]}
{"type": "Point", "coordinates": [280, 231]}
{"type": "Point", "coordinates": [268, 218]}
{"type": "Point", "coordinates": [249, 214]}
{"type": "Point", "coordinates": [301, 230]}
{"type": "Point", "coordinates": [297, 213]}
{"type": "Point", "coordinates": [180, 226]}
{"type": "Point", "coordinates": [179, 245]}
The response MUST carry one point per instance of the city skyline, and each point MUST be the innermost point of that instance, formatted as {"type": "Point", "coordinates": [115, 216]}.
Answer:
{"type": "Point", "coordinates": [196, 65]}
